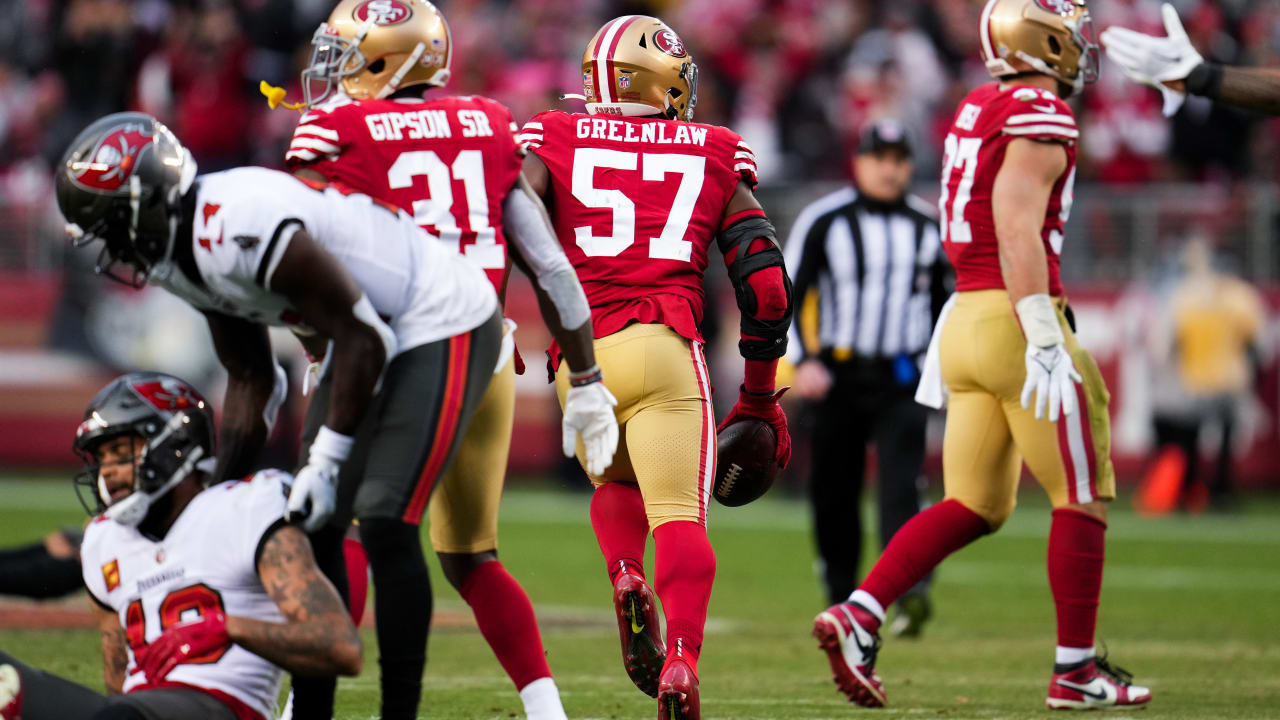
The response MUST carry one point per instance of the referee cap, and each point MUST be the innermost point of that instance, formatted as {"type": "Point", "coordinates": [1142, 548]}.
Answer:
{"type": "Point", "coordinates": [884, 134]}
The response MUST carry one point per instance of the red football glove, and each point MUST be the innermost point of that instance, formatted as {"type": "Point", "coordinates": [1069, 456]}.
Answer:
{"type": "Point", "coordinates": [763, 406]}
{"type": "Point", "coordinates": [181, 642]}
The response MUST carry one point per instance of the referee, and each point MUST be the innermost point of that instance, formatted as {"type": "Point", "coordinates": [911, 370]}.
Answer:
{"type": "Point", "coordinates": [868, 260]}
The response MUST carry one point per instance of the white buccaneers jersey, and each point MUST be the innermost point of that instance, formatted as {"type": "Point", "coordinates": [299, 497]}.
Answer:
{"type": "Point", "coordinates": [207, 561]}
{"type": "Point", "coordinates": [245, 218]}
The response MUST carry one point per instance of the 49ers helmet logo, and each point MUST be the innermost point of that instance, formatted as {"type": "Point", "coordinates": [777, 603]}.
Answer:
{"type": "Point", "coordinates": [668, 42]}
{"type": "Point", "coordinates": [383, 12]}
{"type": "Point", "coordinates": [1061, 7]}
{"type": "Point", "coordinates": [114, 159]}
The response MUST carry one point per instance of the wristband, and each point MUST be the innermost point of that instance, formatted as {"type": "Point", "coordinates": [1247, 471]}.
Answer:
{"type": "Point", "coordinates": [1205, 80]}
{"type": "Point", "coordinates": [1039, 320]}
{"type": "Point", "coordinates": [586, 377]}
{"type": "Point", "coordinates": [330, 447]}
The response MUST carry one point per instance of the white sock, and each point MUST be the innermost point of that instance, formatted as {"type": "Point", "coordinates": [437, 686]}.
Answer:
{"type": "Point", "coordinates": [542, 700]}
{"type": "Point", "coordinates": [868, 601]}
{"type": "Point", "coordinates": [1072, 656]}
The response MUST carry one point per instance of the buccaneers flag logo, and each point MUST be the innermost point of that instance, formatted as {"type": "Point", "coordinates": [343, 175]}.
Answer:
{"type": "Point", "coordinates": [111, 575]}
{"type": "Point", "coordinates": [114, 159]}
{"type": "Point", "coordinates": [169, 395]}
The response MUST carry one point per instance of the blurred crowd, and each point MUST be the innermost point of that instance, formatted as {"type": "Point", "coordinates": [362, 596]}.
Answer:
{"type": "Point", "coordinates": [798, 78]}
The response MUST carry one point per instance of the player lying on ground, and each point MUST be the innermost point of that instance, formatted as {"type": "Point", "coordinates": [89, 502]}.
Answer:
{"type": "Point", "coordinates": [204, 595]}
{"type": "Point", "coordinates": [638, 193]}
{"type": "Point", "coordinates": [1171, 65]}
{"type": "Point", "coordinates": [1006, 340]}
{"type": "Point", "coordinates": [367, 126]}
{"type": "Point", "coordinates": [252, 247]}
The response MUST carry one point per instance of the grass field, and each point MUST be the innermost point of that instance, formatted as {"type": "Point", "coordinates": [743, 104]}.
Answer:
{"type": "Point", "coordinates": [1191, 605]}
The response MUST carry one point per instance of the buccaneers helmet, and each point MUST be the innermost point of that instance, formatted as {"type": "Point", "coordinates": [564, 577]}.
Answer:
{"type": "Point", "coordinates": [122, 181]}
{"type": "Point", "coordinates": [375, 47]}
{"type": "Point", "coordinates": [1054, 37]}
{"type": "Point", "coordinates": [172, 418]}
{"type": "Point", "coordinates": [637, 65]}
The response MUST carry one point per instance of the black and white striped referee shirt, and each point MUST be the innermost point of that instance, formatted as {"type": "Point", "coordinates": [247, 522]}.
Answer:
{"type": "Point", "coordinates": [878, 271]}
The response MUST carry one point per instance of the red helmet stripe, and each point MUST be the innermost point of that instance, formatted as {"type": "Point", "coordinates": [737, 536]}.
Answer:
{"type": "Point", "coordinates": [619, 28]}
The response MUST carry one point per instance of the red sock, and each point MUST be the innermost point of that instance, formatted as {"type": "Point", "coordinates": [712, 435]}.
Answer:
{"type": "Point", "coordinates": [507, 622]}
{"type": "Point", "coordinates": [918, 547]}
{"type": "Point", "coordinates": [621, 526]}
{"type": "Point", "coordinates": [357, 576]}
{"type": "Point", "coordinates": [1077, 543]}
{"type": "Point", "coordinates": [685, 569]}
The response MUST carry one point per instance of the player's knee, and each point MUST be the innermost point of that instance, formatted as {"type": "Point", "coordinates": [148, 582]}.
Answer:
{"type": "Point", "coordinates": [457, 567]}
{"type": "Point", "coordinates": [1096, 509]}
{"type": "Point", "coordinates": [392, 544]}
{"type": "Point", "coordinates": [994, 513]}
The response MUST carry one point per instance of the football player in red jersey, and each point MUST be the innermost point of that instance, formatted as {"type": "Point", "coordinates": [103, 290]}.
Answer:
{"type": "Point", "coordinates": [638, 192]}
{"type": "Point", "coordinates": [1005, 340]}
{"type": "Point", "coordinates": [454, 164]}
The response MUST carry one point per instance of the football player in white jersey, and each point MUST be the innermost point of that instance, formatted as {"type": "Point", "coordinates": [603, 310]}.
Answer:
{"type": "Point", "coordinates": [204, 596]}
{"type": "Point", "coordinates": [252, 247]}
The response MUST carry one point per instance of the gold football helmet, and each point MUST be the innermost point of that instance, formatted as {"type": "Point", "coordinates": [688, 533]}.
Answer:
{"type": "Point", "coordinates": [1054, 37]}
{"type": "Point", "coordinates": [375, 47]}
{"type": "Point", "coordinates": [636, 65]}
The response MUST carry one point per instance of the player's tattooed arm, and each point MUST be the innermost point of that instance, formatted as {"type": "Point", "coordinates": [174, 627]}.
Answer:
{"type": "Point", "coordinates": [115, 657]}
{"type": "Point", "coordinates": [329, 300]}
{"type": "Point", "coordinates": [318, 637]}
{"type": "Point", "coordinates": [245, 351]}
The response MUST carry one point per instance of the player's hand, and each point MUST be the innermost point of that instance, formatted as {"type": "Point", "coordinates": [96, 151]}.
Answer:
{"type": "Point", "coordinates": [1162, 63]}
{"type": "Point", "coordinates": [1051, 378]}
{"type": "Point", "coordinates": [181, 642]}
{"type": "Point", "coordinates": [313, 496]}
{"type": "Point", "coordinates": [813, 380]}
{"type": "Point", "coordinates": [763, 406]}
{"type": "Point", "coordinates": [588, 411]}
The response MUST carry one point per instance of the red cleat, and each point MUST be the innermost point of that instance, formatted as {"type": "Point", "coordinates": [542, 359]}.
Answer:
{"type": "Point", "coordinates": [10, 693]}
{"type": "Point", "coordinates": [1094, 685]}
{"type": "Point", "coordinates": [642, 649]}
{"type": "Point", "coordinates": [848, 634]}
{"type": "Point", "coordinates": [678, 692]}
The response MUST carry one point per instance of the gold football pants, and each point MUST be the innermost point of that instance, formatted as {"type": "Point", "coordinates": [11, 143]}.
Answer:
{"type": "Point", "coordinates": [667, 432]}
{"type": "Point", "coordinates": [989, 434]}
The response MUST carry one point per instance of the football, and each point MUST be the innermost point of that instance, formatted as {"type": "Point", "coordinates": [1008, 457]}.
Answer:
{"type": "Point", "coordinates": [745, 467]}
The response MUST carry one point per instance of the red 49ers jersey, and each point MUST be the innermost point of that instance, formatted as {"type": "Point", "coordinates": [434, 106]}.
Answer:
{"type": "Point", "coordinates": [988, 119]}
{"type": "Point", "coordinates": [636, 202]}
{"type": "Point", "coordinates": [448, 161]}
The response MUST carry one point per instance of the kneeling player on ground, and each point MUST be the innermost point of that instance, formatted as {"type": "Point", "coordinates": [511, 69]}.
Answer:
{"type": "Point", "coordinates": [412, 329]}
{"type": "Point", "coordinates": [1006, 339]}
{"type": "Point", "coordinates": [637, 193]}
{"type": "Point", "coordinates": [203, 594]}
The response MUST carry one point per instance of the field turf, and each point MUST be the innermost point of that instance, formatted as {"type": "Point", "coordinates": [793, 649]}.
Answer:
{"type": "Point", "coordinates": [1190, 604]}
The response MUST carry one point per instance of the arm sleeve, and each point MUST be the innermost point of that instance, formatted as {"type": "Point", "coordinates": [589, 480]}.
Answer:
{"type": "Point", "coordinates": [92, 570]}
{"type": "Point", "coordinates": [258, 514]}
{"type": "Point", "coordinates": [744, 164]}
{"type": "Point", "coordinates": [531, 134]}
{"type": "Point", "coordinates": [528, 229]}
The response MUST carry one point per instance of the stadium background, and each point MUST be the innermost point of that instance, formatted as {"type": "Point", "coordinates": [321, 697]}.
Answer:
{"type": "Point", "coordinates": [1190, 604]}
{"type": "Point", "coordinates": [797, 78]}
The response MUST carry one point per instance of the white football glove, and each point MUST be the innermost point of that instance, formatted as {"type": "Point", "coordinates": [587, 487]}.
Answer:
{"type": "Point", "coordinates": [313, 497]}
{"type": "Point", "coordinates": [1051, 377]}
{"type": "Point", "coordinates": [588, 411]}
{"type": "Point", "coordinates": [1154, 60]}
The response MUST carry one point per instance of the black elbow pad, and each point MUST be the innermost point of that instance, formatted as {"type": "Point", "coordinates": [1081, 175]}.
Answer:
{"type": "Point", "coordinates": [772, 333]}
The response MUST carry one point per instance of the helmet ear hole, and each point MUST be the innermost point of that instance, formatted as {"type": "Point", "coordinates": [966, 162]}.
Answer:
{"type": "Point", "coordinates": [1054, 46]}
{"type": "Point", "coordinates": [378, 66]}
{"type": "Point", "coordinates": [643, 44]}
